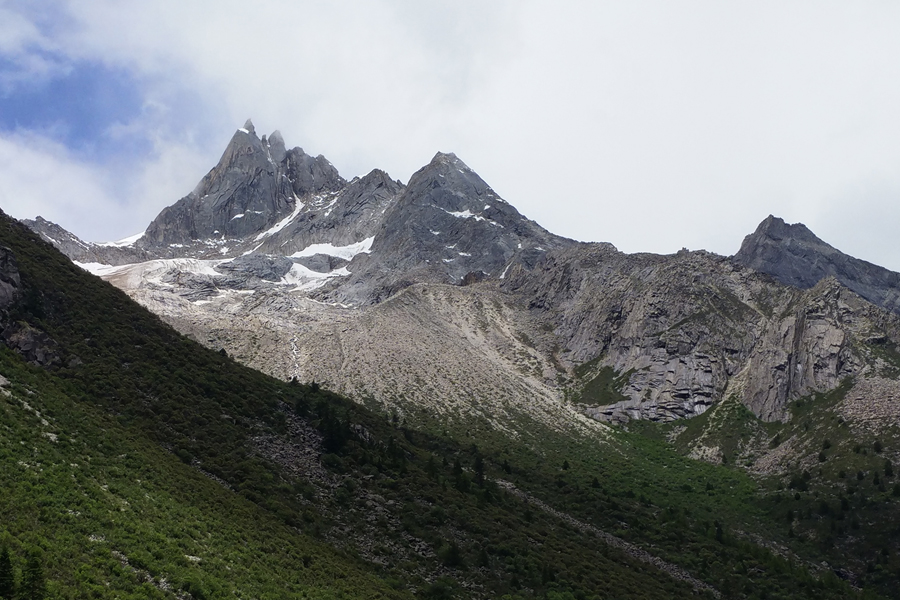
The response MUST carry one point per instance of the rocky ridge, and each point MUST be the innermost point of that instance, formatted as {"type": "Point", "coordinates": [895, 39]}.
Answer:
{"type": "Point", "coordinates": [439, 296]}
{"type": "Point", "coordinates": [687, 328]}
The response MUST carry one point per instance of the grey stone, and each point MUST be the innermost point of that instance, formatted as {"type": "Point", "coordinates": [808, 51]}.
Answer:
{"type": "Point", "coordinates": [793, 255]}
{"type": "Point", "coordinates": [34, 345]}
{"type": "Point", "coordinates": [268, 268]}
{"type": "Point", "coordinates": [254, 186]}
{"type": "Point", "coordinates": [85, 252]}
{"type": "Point", "coordinates": [321, 263]}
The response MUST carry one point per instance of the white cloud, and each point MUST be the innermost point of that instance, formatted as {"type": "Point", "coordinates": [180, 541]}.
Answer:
{"type": "Point", "coordinates": [41, 177]}
{"type": "Point", "coordinates": [653, 125]}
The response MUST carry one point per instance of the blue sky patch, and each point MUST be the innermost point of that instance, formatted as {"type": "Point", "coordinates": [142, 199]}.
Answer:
{"type": "Point", "coordinates": [76, 107]}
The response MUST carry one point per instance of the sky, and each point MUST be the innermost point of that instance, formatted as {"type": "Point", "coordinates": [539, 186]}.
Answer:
{"type": "Point", "coordinates": [652, 125]}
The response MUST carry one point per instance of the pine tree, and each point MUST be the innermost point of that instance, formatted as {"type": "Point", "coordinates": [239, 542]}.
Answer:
{"type": "Point", "coordinates": [7, 576]}
{"type": "Point", "coordinates": [34, 587]}
{"type": "Point", "coordinates": [479, 470]}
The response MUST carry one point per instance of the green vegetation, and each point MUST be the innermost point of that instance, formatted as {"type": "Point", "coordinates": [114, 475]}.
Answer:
{"type": "Point", "coordinates": [598, 385]}
{"type": "Point", "coordinates": [146, 466]}
{"type": "Point", "coordinates": [835, 501]}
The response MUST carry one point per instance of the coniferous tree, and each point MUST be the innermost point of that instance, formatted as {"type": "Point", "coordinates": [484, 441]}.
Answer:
{"type": "Point", "coordinates": [33, 587]}
{"type": "Point", "coordinates": [479, 470]}
{"type": "Point", "coordinates": [7, 576]}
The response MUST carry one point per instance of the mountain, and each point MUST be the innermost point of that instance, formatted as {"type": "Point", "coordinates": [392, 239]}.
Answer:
{"type": "Point", "coordinates": [793, 255]}
{"type": "Point", "coordinates": [110, 253]}
{"type": "Point", "coordinates": [438, 298]}
{"type": "Point", "coordinates": [144, 465]}
{"type": "Point", "coordinates": [467, 335]}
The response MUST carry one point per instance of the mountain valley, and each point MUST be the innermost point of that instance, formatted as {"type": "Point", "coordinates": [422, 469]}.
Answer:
{"type": "Point", "coordinates": [448, 400]}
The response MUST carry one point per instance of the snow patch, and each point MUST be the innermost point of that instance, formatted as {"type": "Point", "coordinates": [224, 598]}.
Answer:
{"type": "Point", "coordinates": [133, 276]}
{"type": "Point", "coordinates": [345, 252]}
{"type": "Point", "coordinates": [98, 269]}
{"type": "Point", "coordinates": [304, 279]}
{"type": "Point", "coordinates": [465, 214]}
{"type": "Point", "coordinates": [282, 223]}
{"type": "Point", "coordinates": [124, 242]}
{"type": "Point", "coordinates": [240, 216]}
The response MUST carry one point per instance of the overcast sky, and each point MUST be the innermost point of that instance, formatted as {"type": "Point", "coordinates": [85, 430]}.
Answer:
{"type": "Point", "coordinates": [651, 125]}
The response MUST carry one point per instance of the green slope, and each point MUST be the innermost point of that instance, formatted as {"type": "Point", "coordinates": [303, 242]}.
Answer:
{"type": "Point", "coordinates": [322, 496]}
{"type": "Point", "coordinates": [116, 516]}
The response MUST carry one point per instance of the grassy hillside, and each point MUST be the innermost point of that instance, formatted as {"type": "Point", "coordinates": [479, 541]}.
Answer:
{"type": "Point", "coordinates": [161, 460]}
{"type": "Point", "coordinates": [116, 516]}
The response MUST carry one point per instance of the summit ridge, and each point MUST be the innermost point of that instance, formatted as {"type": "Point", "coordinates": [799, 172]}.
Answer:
{"type": "Point", "coordinates": [438, 295]}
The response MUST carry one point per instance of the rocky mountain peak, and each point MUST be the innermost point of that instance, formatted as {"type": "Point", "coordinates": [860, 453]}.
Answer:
{"type": "Point", "coordinates": [775, 228]}
{"type": "Point", "coordinates": [276, 146]}
{"type": "Point", "coordinates": [255, 185]}
{"type": "Point", "coordinates": [793, 255]}
{"type": "Point", "coordinates": [446, 226]}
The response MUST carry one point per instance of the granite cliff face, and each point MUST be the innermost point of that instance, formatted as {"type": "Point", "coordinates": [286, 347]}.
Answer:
{"type": "Point", "coordinates": [447, 224]}
{"type": "Point", "coordinates": [256, 184]}
{"type": "Point", "coordinates": [439, 296]}
{"type": "Point", "coordinates": [688, 329]}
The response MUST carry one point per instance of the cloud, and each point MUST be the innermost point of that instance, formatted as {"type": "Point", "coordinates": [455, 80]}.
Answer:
{"type": "Point", "coordinates": [652, 125]}
{"type": "Point", "coordinates": [39, 176]}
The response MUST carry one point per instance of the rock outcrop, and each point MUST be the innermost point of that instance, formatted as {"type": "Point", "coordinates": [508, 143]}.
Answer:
{"type": "Point", "coordinates": [686, 329]}
{"type": "Point", "coordinates": [793, 255]}
{"type": "Point", "coordinates": [35, 346]}
{"type": "Point", "coordinates": [446, 224]}
{"type": "Point", "coordinates": [256, 184]}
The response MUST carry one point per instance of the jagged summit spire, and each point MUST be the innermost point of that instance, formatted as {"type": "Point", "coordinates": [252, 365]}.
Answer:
{"type": "Point", "coordinates": [248, 127]}
{"type": "Point", "coordinates": [276, 146]}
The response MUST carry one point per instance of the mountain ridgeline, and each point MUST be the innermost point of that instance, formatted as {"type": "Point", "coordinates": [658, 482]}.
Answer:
{"type": "Point", "coordinates": [310, 260]}
{"type": "Point", "coordinates": [486, 359]}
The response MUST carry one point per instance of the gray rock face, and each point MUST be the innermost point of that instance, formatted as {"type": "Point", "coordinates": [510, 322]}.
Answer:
{"type": "Point", "coordinates": [262, 267]}
{"type": "Point", "coordinates": [447, 224]}
{"type": "Point", "coordinates": [255, 185]}
{"type": "Point", "coordinates": [340, 218]}
{"type": "Point", "coordinates": [85, 252]}
{"type": "Point", "coordinates": [793, 255]}
{"type": "Point", "coordinates": [690, 328]}
{"type": "Point", "coordinates": [321, 263]}
{"type": "Point", "coordinates": [34, 345]}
